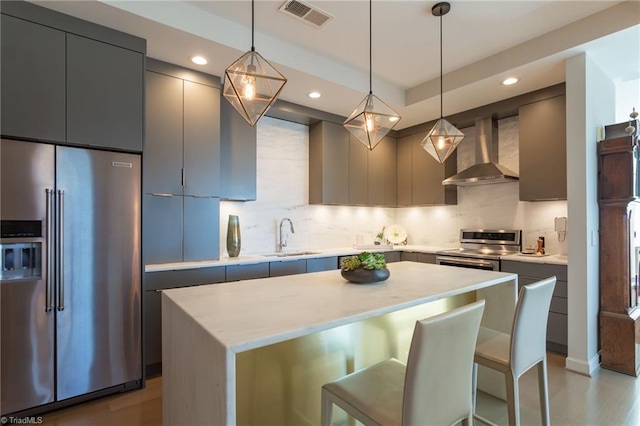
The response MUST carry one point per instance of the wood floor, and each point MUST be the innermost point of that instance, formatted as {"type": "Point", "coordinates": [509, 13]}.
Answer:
{"type": "Point", "coordinates": [608, 398]}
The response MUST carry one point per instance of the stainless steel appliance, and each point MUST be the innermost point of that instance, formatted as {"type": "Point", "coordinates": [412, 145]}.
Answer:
{"type": "Point", "coordinates": [70, 278]}
{"type": "Point", "coordinates": [482, 248]}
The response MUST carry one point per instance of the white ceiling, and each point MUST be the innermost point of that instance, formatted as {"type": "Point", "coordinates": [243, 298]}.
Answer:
{"type": "Point", "coordinates": [484, 41]}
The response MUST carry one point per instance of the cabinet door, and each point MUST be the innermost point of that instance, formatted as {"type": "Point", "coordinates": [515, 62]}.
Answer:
{"type": "Point", "coordinates": [201, 139]}
{"type": "Point", "coordinates": [358, 172]}
{"type": "Point", "coordinates": [543, 150]}
{"type": "Point", "coordinates": [201, 229]}
{"type": "Point", "coordinates": [427, 177]}
{"type": "Point", "coordinates": [163, 149]}
{"type": "Point", "coordinates": [162, 229]}
{"type": "Point", "coordinates": [237, 155]}
{"type": "Point", "coordinates": [105, 95]}
{"type": "Point", "coordinates": [405, 167]}
{"type": "Point", "coordinates": [382, 176]}
{"type": "Point", "coordinates": [152, 327]}
{"type": "Point", "coordinates": [328, 164]}
{"type": "Point", "coordinates": [291, 267]}
{"type": "Point", "coordinates": [33, 87]}
{"type": "Point", "coordinates": [322, 264]}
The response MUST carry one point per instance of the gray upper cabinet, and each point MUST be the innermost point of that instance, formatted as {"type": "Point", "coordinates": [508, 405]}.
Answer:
{"type": "Point", "coordinates": [70, 81]}
{"type": "Point", "coordinates": [163, 153]}
{"type": "Point", "coordinates": [358, 172]}
{"type": "Point", "coordinates": [543, 150]}
{"type": "Point", "coordinates": [420, 176]}
{"type": "Point", "coordinates": [201, 139]}
{"type": "Point", "coordinates": [328, 164]}
{"type": "Point", "coordinates": [404, 167]}
{"type": "Point", "coordinates": [382, 174]}
{"type": "Point", "coordinates": [105, 95]}
{"type": "Point", "coordinates": [237, 155]}
{"type": "Point", "coordinates": [33, 73]}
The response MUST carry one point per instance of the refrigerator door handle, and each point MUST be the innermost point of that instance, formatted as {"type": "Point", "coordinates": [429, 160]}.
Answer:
{"type": "Point", "coordinates": [49, 250]}
{"type": "Point", "coordinates": [60, 251]}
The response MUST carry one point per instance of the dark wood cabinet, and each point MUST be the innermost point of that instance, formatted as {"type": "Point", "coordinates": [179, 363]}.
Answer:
{"type": "Point", "coordinates": [33, 73]}
{"type": "Point", "coordinates": [105, 95]}
{"type": "Point", "coordinates": [420, 176]}
{"type": "Point", "coordinates": [543, 150]}
{"type": "Point", "coordinates": [557, 324]}
{"type": "Point", "coordinates": [329, 147]}
{"type": "Point", "coordinates": [238, 155]}
{"type": "Point", "coordinates": [619, 254]}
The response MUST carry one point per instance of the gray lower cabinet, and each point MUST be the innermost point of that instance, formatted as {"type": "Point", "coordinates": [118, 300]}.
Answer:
{"type": "Point", "coordinates": [557, 322]}
{"type": "Point", "coordinates": [33, 73]}
{"type": "Point", "coordinates": [322, 264]}
{"type": "Point", "coordinates": [162, 280]}
{"type": "Point", "coordinates": [328, 163]}
{"type": "Point", "coordinates": [392, 256]}
{"type": "Point", "coordinates": [247, 272]}
{"type": "Point", "coordinates": [427, 258]}
{"type": "Point", "coordinates": [409, 256]}
{"type": "Point", "coordinates": [543, 150]}
{"type": "Point", "coordinates": [105, 95]}
{"type": "Point", "coordinates": [420, 176]}
{"type": "Point", "coordinates": [287, 267]}
{"type": "Point", "coordinates": [237, 155]}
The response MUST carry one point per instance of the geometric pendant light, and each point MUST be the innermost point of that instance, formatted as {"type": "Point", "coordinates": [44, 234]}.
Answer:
{"type": "Point", "coordinates": [444, 137]}
{"type": "Point", "coordinates": [372, 119]}
{"type": "Point", "coordinates": [251, 84]}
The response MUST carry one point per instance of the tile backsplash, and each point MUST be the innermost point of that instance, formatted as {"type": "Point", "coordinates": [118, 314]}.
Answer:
{"type": "Point", "coordinates": [283, 191]}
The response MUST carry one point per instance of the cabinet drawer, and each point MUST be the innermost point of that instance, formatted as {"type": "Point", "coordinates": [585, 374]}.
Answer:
{"type": "Point", "coordinates": [557, 328]}
{"type": "Point", "coordinates": [427, 258]}
{"type": "Point", "coordinates": [184, 278]}
{"type": "Point", "coordinates": [558, 305]}
{"type": "Point", "coordinates": [535, 270]}
{"type": "Point", "coordinates": [282, 268]}
{"type": "Point", "coordinates": [247, 272]}
{"type": "Point", "coordinates": [559, 291]}
{"type": "Point", "coordinates": [322, 264]}
{"type": "Point", "coordinates": [409, 257]}
{"type": "Point", "coordinates": [392, 256]}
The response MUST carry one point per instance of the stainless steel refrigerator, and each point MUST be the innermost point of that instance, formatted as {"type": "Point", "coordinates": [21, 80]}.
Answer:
{"type": "Point", "coordinates": [70, 291]}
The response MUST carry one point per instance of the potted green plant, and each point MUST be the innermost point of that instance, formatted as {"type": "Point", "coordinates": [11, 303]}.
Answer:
{"type": "Point", "coordinates": [365, 268]}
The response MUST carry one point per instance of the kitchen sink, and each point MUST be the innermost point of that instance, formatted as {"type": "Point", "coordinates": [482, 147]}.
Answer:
{"type": "Point", "coordinates": [291, 253]}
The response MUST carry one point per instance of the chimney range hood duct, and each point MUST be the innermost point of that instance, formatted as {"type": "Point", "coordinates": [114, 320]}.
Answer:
{"type": "Point", "coordinates": [486, 170]}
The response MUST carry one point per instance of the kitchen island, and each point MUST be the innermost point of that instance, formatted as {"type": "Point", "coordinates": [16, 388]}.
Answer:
{"type": "Point", "coordinates": [224, 344]}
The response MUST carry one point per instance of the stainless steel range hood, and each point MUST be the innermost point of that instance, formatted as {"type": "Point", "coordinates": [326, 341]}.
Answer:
{"type": "Point", "coordinates": [486, 170]}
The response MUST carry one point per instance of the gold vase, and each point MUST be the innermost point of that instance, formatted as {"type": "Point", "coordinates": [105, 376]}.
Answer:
{"type": "Point", "coordinates": [233, 236]}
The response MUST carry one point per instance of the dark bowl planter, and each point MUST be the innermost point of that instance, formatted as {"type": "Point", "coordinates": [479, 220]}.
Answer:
{"type": "Point", "coordinates": [365, 276]}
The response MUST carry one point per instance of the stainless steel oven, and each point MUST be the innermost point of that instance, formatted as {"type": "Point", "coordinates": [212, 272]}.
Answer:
{"type": "Point", "coordinates": [482, 248]}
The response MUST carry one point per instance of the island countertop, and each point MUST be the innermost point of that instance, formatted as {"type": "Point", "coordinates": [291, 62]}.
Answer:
{"type": "Point", "coordinates": [253, 313]}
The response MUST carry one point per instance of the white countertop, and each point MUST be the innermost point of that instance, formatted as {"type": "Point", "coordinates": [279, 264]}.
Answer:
{"type": "Point", "coordinates": [248, 259]}
{"type": "Point", "coordinates": [317, 301]}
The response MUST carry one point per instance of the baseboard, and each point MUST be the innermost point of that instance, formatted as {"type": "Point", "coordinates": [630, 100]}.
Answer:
{"type": "Point", "coordinates": [582, 367]}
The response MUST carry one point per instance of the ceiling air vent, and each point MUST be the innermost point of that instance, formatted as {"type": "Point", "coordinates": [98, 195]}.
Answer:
{"type": "Point", "coordinates": [305, 12]}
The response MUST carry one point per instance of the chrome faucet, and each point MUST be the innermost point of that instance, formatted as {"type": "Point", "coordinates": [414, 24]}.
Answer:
{"type": "Point", "coordinates": [283, 242]}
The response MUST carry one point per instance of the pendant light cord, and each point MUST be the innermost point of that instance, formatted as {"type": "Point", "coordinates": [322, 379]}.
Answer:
{"type": "Point", "coordinates": [253, 48]}
{"type": "Point", "coordinates": [370, 54]}
{"type": "Point", "coordinates": [441, 95]}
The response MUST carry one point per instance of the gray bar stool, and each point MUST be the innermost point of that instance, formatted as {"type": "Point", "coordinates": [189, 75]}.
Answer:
{"type": "Point", "coordinates": [514, 354]}
{"type": "Point", "coordinates": [434, 387]}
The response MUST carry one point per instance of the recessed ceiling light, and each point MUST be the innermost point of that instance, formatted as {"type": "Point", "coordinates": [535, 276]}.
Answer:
{"type": "Point", "coordinates": [509, 81]}
{"type": "Point", "coordinates": [315, 95]}
{"type": "Point", "coordinates": [198, 60]}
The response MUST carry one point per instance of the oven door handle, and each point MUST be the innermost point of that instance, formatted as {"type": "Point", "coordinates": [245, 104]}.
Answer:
{"type": "Point", "coordinates": [465, 261]}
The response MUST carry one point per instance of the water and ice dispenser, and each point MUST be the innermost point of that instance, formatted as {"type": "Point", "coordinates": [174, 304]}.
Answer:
{"type": "Point", "coordinates": [20, 249]}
